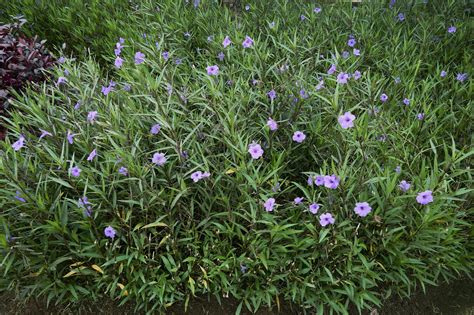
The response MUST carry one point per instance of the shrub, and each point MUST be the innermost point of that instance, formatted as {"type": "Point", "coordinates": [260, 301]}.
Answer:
{"type": "Point", "coordinates": [165, 180]}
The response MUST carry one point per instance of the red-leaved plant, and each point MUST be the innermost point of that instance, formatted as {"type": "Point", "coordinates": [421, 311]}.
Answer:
{"type": "Point", "coordinates": [22, 60]}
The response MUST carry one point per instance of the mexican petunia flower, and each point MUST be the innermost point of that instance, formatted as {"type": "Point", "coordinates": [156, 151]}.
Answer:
{"type": "Point", "coordinates": [313, 208]}
{"type": "Point", "coordinates": [461, 77]}
{"type": "Point", "coordinates": [70, 137]}
{"type": "Point", "coordinates": [342, 78]}
{"type": "Point", "coordinates": [213, 70]}
{"type": "Point", "coordinates": [298, 200]}
{"type": "Point", "coordinates": [44, 133]}
{"type": "Point", "coordinates": [351, 42]}
{"type": "Point", "coordinates": [107, 89]}
{"type": "Point", "coordinates": [110, 232]}
{"type": "Point", "coordinates": [345, 54]}
{"type": "Point", "coordinates": [443, 74]}
{"type": "Point", "coordinates": [383, 97]}
{"type": "Point", "coordinates": [401, 17]}
{"type": "Point", "coordinates": [248, 42]}
{"type": "Point", "coordinates": [197, 176]}
{"type": "Point", "coordinates": [319, 180]}
{"type": "Point", "coordinates": [317, 10]}
{"type": "Point", "coordinates": [91, 117]}
{"type": "Point", "coordinates": [92, 155]}
{"type": "Point", "coordinates": [123, 170]}
{"type": "Point", "coordinates": [332, 69]}
{"type": "Point", "coordinates": [299, 136]}
{"type": "Point", "coordinates": [255, 150]}
{"type": "Point", "coordinates": [326, 218]}
{"type": "Point", "coordinates": [362, 209]}
{"type": "Point", "coordinates": [310, 180]}
{"type": "Point", "coordinates": [357, 75]}
{"type": "Point", "coordinates": [452, 29]}
{"type": "Point", "coordinates": [139, 57]}
{"type": "Point", "coordinates": [221, 56]}
{"type": "Point", "coordinates": [226, 42]}
{"type": "Point", "coordinates": [404, 186]}
{"type": "Point", "coordinates": [420, 116]}
{"type": "Point", "coordinates": [269, 204]}
{"type": "Point", "coordinates": [18, 196]}
{"type": "Point", "coordinates": [61, 80]}
{"type": "Point", "coordinates": [155, 129]}
{"type": "Point", "coordinates": [75, 171]}
{"type": "Point", "coordinates": [118, 62]}
{"type": "Point", "coordinates": [272, 124]}
{"type": "Point", "coordinates": [20, 143]}
{"type": "Point", "coordinates": [406, 101]}
{"type": "Point", "coordinates": [272, 95]}
{"type": "Point", "coordinates": [425, 197]}
{"type": "Point", "coordinates": [331, 181]}
{"type": "Point", "coordinates": [347, 120]}
{"type": "Point", "coordinates": [159, 158]}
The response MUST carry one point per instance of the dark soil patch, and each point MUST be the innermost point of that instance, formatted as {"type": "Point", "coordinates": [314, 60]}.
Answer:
{"type": "Point", "coordinates": [455, 298]}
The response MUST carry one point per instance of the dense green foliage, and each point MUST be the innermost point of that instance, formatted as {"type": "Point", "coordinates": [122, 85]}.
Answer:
{"type": "Point", "coordinates": [176, 238]}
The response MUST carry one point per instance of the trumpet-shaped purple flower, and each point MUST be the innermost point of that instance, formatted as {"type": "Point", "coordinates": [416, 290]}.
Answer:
{"type": "Point", "coordinates": [406, 101]}
{"type": "Point", "coordinates": [139, 57]}
{"type": "Point", "coordinates": [401, 17]}
{"type": "Point", "coordinates": [91, 117]}
{"type": "Point", "coordinates": [332, 69]}
{"type": "Point", "coordinates": [461, 77]}
{"type": "Point", "coordinates": [443, 74]}
{"type": "Point", "coordinates": [356, 52]}
{"type": "Point", "coordinates": [159, 158]}
{"type": "Point", "coordinates": [404, 185]}
{"type": "Point", "coordinates": [221, 56]}
{"type": "Point", "coordinates": [213, 70]}
{"type": "Point", "coordinates": [165, 55]}
{"type": "Point", "coordinates": [299, 136]}
{"type": "Point", "coordinates": [298, 200]}
{"type": "Point", "coordinates": [383, 97]}
{"type": "Point", "coordinates": [255, 150]}
{"type": "Point", "coordinates": [20, 143]}
{"type": "Point", "coordinates": [313, 208]}
{"type": "Point", "coordinates": [226, 42]}
{"type": "Point", "coordinates": [61, 80]}
{"type": "Point", "coordinates": [357, 75]}
{"type": "Point", "coordinates": [398, 169]}
{"type": "Point", "coordinates": [345, 54]}
{"type": "Point", "coordinates": [351, 42]}
{"type": "Point", "coordinates": [110, 232]}
{"type": "Point", "coordinates": [248, 42]}
{"type": "Point", "coordinates": [425, 197]}
{"type": "Point", "coordinates": [155, 129]}
{"type": "Point", "coordinates": [44, 133]}
{"type": "Point", "coordinates": [269, 204]}
{"type": "Point", "coordinates": [317, 10]}
{"type": "Point", "coordinates": [342, 78]}
{"type": "Point", "coordinates": [420, 116]}
{"type": "Point", "coordinates": [320, 85]}
{"type": "Point", "coordinates": [310, 180]}
{"type": "Point", "coordinates": [18, 196]}
{"type": "Point", "coordinates": [326, 218]}
{"type": "Point", "coordinates": [107, 90]}
{"type": "Point", "coordinates": [75, 171]}
{"type": "Point", "coordinates": [70, 137]}
{"type": "Point", "coordinates": [452, 29]}
{"type": "Point", "coordinates": [247, 7]}
{"type": "Point", "coordinates": [92, 155]}
{"type": "Point", "coordinates": [123, 170]}
{"type": "Point", "coordinates": [362, 209]}
{"type": "Point", "coordinates": [347, 120]}
{"type": "Point", "coordinates": [272, 124]}
{"type": "Point", "coordinates": [272, 95]}
{"type": "Point", "coordinates": [331, 181]}
{"type": "Point", "coordinates": [319, 180]}
{"type": "Point", "coordinates": [118, 62]}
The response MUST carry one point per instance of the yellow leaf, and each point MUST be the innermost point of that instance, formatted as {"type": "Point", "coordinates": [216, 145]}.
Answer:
{"type": "Point", "coordinates": [154, 224]}
{"type": "Point", "coordinates": [76, 264]}
{"type": "Point", "coordinates": [70, 273]}
{"type": "Point", "coordinates": [230, 171]}
{"type": "Point", "coordinates": [121, 286]}
{"type": "Point", "coordinates": [98, 269]}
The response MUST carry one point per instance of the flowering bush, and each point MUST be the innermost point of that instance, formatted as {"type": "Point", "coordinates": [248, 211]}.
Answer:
{"type": "Point", "coordinates": [218, 157]}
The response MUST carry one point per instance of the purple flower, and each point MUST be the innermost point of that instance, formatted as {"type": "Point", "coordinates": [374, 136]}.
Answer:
{"type": "Point", "coordinates": [269, 204]}
{"type": "Point", "coordinates": [362, 209]}
{"type": "Point", "coordinates": [325, 219]}
{"type": "Point", "coordinates": [298, 200]}
{"type": "Point", "coordinates": [212, 70]}
{"type": "Point", "coordinates": [107, 90]}
{"type": "Point", "coordinates": [342, 78]}
{"type": "Point", "coordinates": [91, 117]}
{"type": "Point", "coordinates": [425, 197]}
{"type": "Point", "coordinates": [420, 116]}
{"type": "Point", "coordinates": [452, 29]}
{"type": "Point", "coordinates": [61, 80]}
{"type": "Point", "coordinates": [319, 180]}
{"type": "Point", "coordinates": [247, 7]}
{"type": "Point", "coordinates": [331, 181]}
{"type": "Point", "coordinates": [75, 171]}
{"type": "Point", "coordinates": [62, 59]}
{"type": "Point", "coordinates": [461, 77]}
{"type": "Point", "coordinates": [346, 120]}
{"type": "Point", "coordinates": [317, 10]}
{"type": "Point", "coordinates": [406, 101]}
{"type": "Point", "coordinates": [351, 42]}
{"type": "Point", "coordinates": [20, 143]}
{"type": "Point", "coordinates": [44, 133]}
{"type": "Point", "coordinates": [110, 232]}
{"type": "Point", "coordinates": [117, 51]}
{"type": "Point", "coordinates": [123, 170]}
{"type": "Point", "coordinates": [121, 40]}
{"type": "Point", "coordinates": [401, 17]}
{"type": "Point", "coordinates": [272, 24]}
{"type": "Point", "coordinates": [345, 54]}
{"type": "Point", "coordinates": [196, 176]}
{"type": "Point", "coordinates": [356, 52]}
{"type": "Point", "coordinates": [139, 57]}
{"type": "Point", "coordinates": [92, 155]}
{"type": "Point", "coordinates": [66, 72]}
{"type": "Point", "coordinates": [159, 158]}
{"type": "Point", "coordinates": [332, 69]}
{"type": "Point", "coordinates": [398, 169]}
{"type": "Point", "coordinates": [221, 56]}
{"type": "Point", "coordinates": [302, 17]}
{"type": "Point", "coordinates": [165, 55]}
{"type": "Point", "coordinates": [196, 3]}
{"type": "Point", "coordinates": [404, 185]}
{"type": "Point", "coordinates": [210, 38]}
{"type": "Point", "coordinates": [155, 129]}
{"type": "Point", "coordinates": [357, 75]}
{"type": "Point", "coordinates": [255, 150]}
{"type": "Point", "coordinates": [383, 97]}
{"type": "Point", "coordinates": [178, 61]}
{"type": "Point", "coordinates": [397, 80]}
{"type": "Point", "coordinates": [226, 42]}
{"type": "Point", "coordinates": [299, 136]}
{"type": "Point", "coordinates": [18, 197]}
{"type": "Point", "coordinates": [78, 105]}
{"type": "Point", "coordinates": [443, 73]}
{"type": "Point", "coordinates": [127, 87]}
{"type": "Point", "coordinates": [70, 137]}
{"type": "Point", "coordinates": [272, 124]}
{"type": "Point", "coordinates": [272, 95]}
{"type": "Point", "coordinates": [118, 62]}
{"type": "Point", "coordinates": [248, 42]}
{"type": "Point", "coordinates": [313, 208]}
{"type": "Point", "coordinates": [320, 85]}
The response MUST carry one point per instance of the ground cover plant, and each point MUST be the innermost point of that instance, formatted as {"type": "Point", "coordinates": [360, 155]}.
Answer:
{"type": "Point", "coordinates": [288, 151]}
